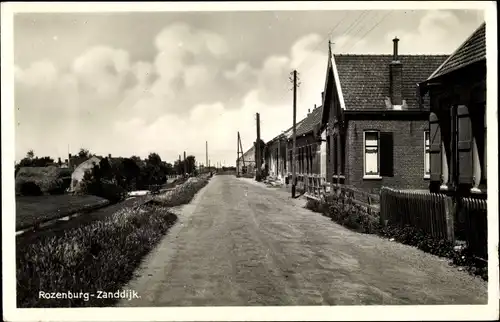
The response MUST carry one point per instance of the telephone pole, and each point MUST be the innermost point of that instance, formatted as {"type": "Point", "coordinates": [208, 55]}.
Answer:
{"type": "Point", "coordinates": [206, 154]}
{"type": "Point", "coordinates": [238, 155]}
{"type": "Point", "coordinates": [185, 163]}
{"type": "Point", "coordinates": [294, 131]}
{"type": "Point", "coordinates": [258, 157]}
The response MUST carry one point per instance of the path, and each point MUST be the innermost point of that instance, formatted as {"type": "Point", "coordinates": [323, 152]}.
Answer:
{"type": "Point", "coordinates": [240, 243]}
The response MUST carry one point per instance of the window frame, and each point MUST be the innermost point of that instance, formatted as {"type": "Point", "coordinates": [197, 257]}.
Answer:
{"type": "Point", "coordinates": [377, 175]}
{"type": "Point", "coordinates": [427, 152]}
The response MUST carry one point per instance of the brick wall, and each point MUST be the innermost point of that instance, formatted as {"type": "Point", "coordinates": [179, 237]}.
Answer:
{"type": "Point", "coordinates": [408, 152]}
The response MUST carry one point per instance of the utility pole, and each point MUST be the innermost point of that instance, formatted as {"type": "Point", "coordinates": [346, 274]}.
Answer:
{"type": "Point", "coordinates": [180, 163]}
{"type": "Point", "coordinates": [258, 157]}
{"type": "Point", "coordinates": [294, 131]}
{"type": "Point", "coordinates": [206, 154]}
{"type": "Point", "coordinates": [238, 155]}
{"type": "Point", "coordinates": [185, 163]}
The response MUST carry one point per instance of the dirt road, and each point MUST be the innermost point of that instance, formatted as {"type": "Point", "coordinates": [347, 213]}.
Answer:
{"type": "Point", "coordinates": [240, 243]}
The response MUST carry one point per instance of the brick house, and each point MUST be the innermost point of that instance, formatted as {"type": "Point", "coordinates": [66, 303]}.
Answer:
{"type": "Point", "coordinates": [276, 156]}
{"type": "Point", "coordinates": [457, 120]}
{"type": "Point", "coordinates": [279, 150]}
{"type": "Point", "coordinates": [307, 148]}
{"type": "Point", "coordinates": [376, 131]}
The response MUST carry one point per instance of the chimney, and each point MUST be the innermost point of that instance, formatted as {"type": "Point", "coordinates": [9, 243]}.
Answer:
{"type": "Point", "coordinates": [69, 160]}
{"type": "Point", "coordinates": [308, 111]}
{"type": "Point", "coordinates": [314, 106]}
{"type": "Point", "coordinates": [396, 77]}
{"type": "Point", "coordinates": [322, 96]}
{"type": "Point", "coordinates": [109, 156]}
{"type": "Point", "coordinates": [395, 56]}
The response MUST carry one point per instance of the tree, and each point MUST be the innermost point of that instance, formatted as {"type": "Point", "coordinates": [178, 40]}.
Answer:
{"type": "Point", "coordinates": [30, 155]}
{"type": "Point", "coordinates": [155, 170]}
{"type": "Point", "coordinates": [93, 184]}
{"type": "Point", "coordinates": [169, 168]}
{"type": "Point", "coordinates": [179, 167]}
{"type": "Point", "coordinates": [131, 173]}
{"type": "Point", "coordinates": [83, 153]}
{"type": "Point", "coordinates": [106, 170]}
{"type": "Point", "coordinates": [191, 163]}
{"type": "Point", "coordinates": [136, 159]}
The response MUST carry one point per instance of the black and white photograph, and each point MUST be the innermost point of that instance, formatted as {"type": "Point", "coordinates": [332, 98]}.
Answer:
{"type": "Point", "coordinates": [249, 161]}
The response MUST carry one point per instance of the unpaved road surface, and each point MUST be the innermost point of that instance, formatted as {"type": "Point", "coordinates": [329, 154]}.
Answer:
{"type": "Point", "coordinates": [240, 243]}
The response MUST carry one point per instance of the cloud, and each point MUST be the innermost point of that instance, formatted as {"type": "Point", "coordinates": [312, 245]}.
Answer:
{"type": "Point", "coordinates": [432, 36]}
{"type": "Point", "coordinates": [102, 69]}
{"type": "Point", "coordinates": [190, 92]}
{"type": "Point", "coordinates": [242, 70]}
{"type": "Point", "coordinates": [39, 74]}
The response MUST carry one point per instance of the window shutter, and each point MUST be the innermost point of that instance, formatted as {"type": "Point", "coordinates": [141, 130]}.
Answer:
{"type": "Point", "coordinates": [435, 147]}
{"type": "Point", "coordinates": [464, 145]}
{"type": "Point", "coordinates": [386, 154]}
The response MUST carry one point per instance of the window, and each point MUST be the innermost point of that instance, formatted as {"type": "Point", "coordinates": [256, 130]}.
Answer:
{"type": "Point", "coordinates": [371, 154]}
{"type": "Point", "coordinates": [427, 155]}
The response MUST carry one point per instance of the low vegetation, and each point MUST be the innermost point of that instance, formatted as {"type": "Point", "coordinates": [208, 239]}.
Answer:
{"type": "Point", "coordinates": [344, 211]}
{"type": "Point", "coordinates": [182, 194]}
{"type": "Point", "coordinates": [99, 256]}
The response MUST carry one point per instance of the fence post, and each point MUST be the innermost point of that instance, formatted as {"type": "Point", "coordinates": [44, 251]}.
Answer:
{"type": "Point", "coordinates": [450, 209]}
{"type": "Point", "coordinates": [381, 205]}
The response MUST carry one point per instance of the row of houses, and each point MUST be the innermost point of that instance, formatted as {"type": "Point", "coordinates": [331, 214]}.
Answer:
{"type": "Point", "coordinates": [403, 121]}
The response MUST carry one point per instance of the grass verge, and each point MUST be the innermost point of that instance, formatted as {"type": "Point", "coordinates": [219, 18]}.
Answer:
{"type": "Point", "coordinates": [99, 256]}
{"type": "Point", "coordinates": [343, 211]}
{"type": "Point", "coordinates": [183, 193]}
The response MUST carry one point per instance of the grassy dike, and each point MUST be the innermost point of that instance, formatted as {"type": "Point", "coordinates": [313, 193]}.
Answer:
{"type": "Point", "coordinates": [98, 256]}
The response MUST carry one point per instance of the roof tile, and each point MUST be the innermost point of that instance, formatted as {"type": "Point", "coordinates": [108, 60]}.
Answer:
{"type": "Point", "coordinates": [471, 51]}
{"type": "Point", "coordinates": [365, 82]}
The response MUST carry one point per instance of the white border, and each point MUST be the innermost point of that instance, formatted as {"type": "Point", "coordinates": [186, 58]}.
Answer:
{"type": "Point", "coordinates": [374, 313]}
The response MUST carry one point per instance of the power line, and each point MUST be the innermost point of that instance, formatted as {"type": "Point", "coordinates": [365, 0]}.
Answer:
{"type": "Point", "coordinates": [325, 38]}
{"type": "Point", "coordinates": [366, 33]}
{"type": "Point", "coordinates": [371, 29]}
{"type": "Point", "coordinates": [361, 27]}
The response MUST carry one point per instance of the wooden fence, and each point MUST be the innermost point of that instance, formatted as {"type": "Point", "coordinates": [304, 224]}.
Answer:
{"type": "Point", "coordinates": [315, 187]}
{"type": "Point", "coordinates": [427, 211]}
{"type": "Point", "coordinates": [476, 225]}
{"type": "Point", "coordinates": [312, 185]}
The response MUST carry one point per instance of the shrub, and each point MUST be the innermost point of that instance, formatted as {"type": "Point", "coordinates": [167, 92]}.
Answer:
{"type": "Point", "coordinates": [30, 188]}
{"type": "Point", "coordinates": [343, 210]}
{"type": "Point", "coordinates": [102, 255]}
{"type": "Point", "coordinates": [111, 191]}
{"type": "Point", "coordinates": [182, 193]}
{"type": "Point", "coordinates": [93, 184]}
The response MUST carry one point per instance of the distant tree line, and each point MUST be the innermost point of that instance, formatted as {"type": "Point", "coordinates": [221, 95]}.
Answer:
{"type": "Point", "coordinates": [114, 176]}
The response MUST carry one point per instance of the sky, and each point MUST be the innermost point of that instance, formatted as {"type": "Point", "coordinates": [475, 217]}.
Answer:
{"type": "Point", "coordinates": [166, 82]}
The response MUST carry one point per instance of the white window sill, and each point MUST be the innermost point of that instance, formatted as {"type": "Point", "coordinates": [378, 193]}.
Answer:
{"type": "Point", "coordinates": [427, 176]}
{"type": "Point", "coordinates": [372, 177]}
